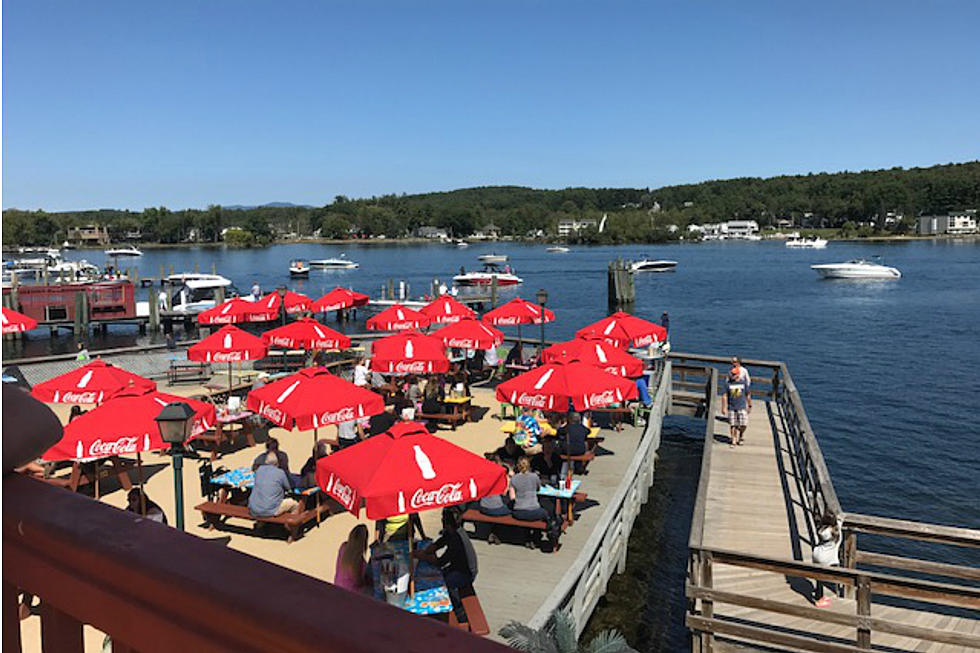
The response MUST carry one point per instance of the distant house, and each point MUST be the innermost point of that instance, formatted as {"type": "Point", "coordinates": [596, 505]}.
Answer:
{"type": "Point", "coordinates": [432, 232]}
{"type": "Point", "coordinates": [134, 234]}
{"type": "Point", "coordinates": [90, 234]}
{"type": "Point", "coordinates": [488, 232]}
{"type": "Point", "coordinates": [566, 227]}
{"type": "Point", "coordinates": [740, 228]}
{"type": "Point", "coordinates": [956, 223]}
{"type": "Point", "coordinates": [783, 223]}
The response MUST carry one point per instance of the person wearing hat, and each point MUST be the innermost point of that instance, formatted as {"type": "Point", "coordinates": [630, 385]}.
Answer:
{"type": "Point", "coordinates": [736, 402]}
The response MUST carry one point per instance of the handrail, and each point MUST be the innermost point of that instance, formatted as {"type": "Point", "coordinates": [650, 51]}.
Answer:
{"type": "Point", "coordinates": [595, 562]}
{"type": "Point", "coordinates": [696, 537]}
{"type": "Point", "coordinates": [153, 588]}
{"type": "Point", "coordinates": [912, 530]}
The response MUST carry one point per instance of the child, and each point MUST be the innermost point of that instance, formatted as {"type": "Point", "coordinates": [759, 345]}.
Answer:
{"type": "Point", "coordinates": [827, 553]}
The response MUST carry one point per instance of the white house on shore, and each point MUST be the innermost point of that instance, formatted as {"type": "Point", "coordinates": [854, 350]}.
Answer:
{"type": "Point", "coordinates": [566, 227]}
{"type": "Point", "coordinates": [954, 223]}
{"type": "Point", "coordinates": [733, 229]}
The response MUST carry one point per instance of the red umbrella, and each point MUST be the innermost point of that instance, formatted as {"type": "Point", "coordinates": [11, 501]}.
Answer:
{"type": "Point", "coordinates": [14, 322]}
{"type": "Point", "coordinates": [91, 383]}
{"type": "Point", "coordinates": [233, 311]}
{"type": "Point", "coordinates": [447, 310]}
{"type": "Point", "coordinates": [297, 302]}
{"type": "Point", "coordinates": [517, 312]}
{"type": "Point", "coordinates": [553, 386]}
{"type": "Point", "coordinates": [407, 470]}
{"type": "Point", "coordinates": [469, 334]}
{"type": "Point", "coordinates": [339, 299]}
{"type": "Point", "coordinates": [596, 352]}
{"type": "Point", "coordinates": [397, 318]}
{"type": "Point", "coordinates": [265, 309]}
{"type": "Point", "coordinates": [227, 345]}
{"type": "Point", "coordinates": [409, 353]}
{"type": "Point", "coordinates": [312, 398]}
{"type": "Point", "coordinates": [306, 333]}
{"type": "Point", "coordinates": [622, 329]}
{"type": "Point", "coordinates": [125, 424]}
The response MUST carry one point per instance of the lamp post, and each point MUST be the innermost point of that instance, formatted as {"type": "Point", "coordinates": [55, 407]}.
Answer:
{"type": "Point", "coordinates": [542, 298]}
{"type": "Point", "coordinates": [174, 422]}
{"type": "Point", "coordinates": [282, 302]}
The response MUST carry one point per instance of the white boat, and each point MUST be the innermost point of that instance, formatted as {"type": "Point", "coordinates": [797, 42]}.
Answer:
{"type": "Point", "coordinates": [856, 269]}
{"type": "Point", "coordinates": [75, 270]}
{"type": "Point", "coordinates": [195, 295]}
{"type": "Point", "coordinates": [129, 250]}
{"type": "Point", "coordinates": [558, 249]}
{"type": "Point", "coordinates": [341, 263]}
{"type": "Point", "coordinates": [807, 243]}
{"type": "Point", "coordinates": [493, 258]}
{"type": "Point", "coordinates": [460, 243]}
{"type": "Point", "coordinates": [654, 265]}
{"type": "Point", "coordinates": [299, 268]}
{"type": "Point", "coordinates": [485, 277]}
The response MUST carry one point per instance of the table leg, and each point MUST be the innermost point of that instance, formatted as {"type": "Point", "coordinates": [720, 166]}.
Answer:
{"type": "Point", "coordinates": [76, 476]}
{"type": "Point", "coordinates": [249, 432]}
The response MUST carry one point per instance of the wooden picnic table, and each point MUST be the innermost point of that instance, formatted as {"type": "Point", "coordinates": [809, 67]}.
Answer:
{"type": "Point", "coordinates": [460, 405]}
{"type": "Point", "coordinates": [92, 471]}
{"type": "Point", "coordinates": [223, 429]}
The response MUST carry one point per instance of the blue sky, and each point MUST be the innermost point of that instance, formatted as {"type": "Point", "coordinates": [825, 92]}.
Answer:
{"type": "Point", "coordinates": [133, 104]}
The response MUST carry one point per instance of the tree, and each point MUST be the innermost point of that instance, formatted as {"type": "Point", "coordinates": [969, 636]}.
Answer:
{"type": "Point", "coordinates": [560, 638]}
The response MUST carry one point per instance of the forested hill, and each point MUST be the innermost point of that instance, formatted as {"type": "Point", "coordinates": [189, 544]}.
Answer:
{"type": "Point", "coordinates": [635, 214]}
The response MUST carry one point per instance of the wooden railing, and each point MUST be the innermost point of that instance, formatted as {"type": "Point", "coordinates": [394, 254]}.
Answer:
{"type": "Point", "coordinates": [605, 551]}
{"type": "Point", "coordinates": [153, 588]}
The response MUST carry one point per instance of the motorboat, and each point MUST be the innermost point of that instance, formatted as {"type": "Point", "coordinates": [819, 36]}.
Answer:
{"type": "Point", "coordinates": [558, 249]}
{"type": "Point", "coordinates": [493, 258]}
{"type": "Point", "coordinates": [341, 263]}
{"type": "Point", "coordinates": [807, 243]}
{"type": "Point", "coordinates": [856, 269]}
{"type": "Point", "coordinates": [485, 277]}
{"type": "Point", "coordinates": [461, 244]}
{"type": "Point", "coordinates": [196, 295]}
{"type": "Point", "coordinates": [129, 250]}
{"type": "Point", "coordinates": [299, 268]}
{"type": "Point", "coordinates": [654, 265]}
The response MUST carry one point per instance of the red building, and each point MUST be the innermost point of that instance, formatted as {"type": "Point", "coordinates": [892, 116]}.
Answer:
{"type": "Point", "coordinates": [106, 300]}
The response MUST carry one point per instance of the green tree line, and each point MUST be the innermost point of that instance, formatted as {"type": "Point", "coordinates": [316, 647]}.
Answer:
{"type": "Point", "coordinates": [849, 201]}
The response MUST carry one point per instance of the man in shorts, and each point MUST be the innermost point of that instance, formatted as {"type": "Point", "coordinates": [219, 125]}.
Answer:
{"type": "Point", "coordinates": [736, 402]}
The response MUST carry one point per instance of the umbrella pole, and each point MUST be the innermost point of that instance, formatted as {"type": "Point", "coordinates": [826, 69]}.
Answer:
{"type": "Point", "coordinates": [139, 476]}
{"type": "Point", "coordinates": [411, 558]}
{"type": "Point", "coordinates": [229, 379]}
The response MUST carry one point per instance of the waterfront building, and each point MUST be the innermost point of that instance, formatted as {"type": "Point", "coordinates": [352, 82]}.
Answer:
{"type": "Point", "coordinates": [436, 233]}
{"type": "Point", "coordinates": [954, 223]}
{"type": "Point", "coordinates": [566, 227]}
{"type": "Point", "coordinates": [90, 234]}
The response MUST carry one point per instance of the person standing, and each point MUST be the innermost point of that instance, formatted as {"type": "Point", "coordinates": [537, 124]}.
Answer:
{"type": "Point", "coordinates": [665, 322]}
{"type": "Point", "coordinates": [827, 554]}
{"type": "Point", "coordinates": [736, 402]}
{"type": "Point", "coordinates": [361, 373]}
{"type": "Point", "coordinates": [741, 371]}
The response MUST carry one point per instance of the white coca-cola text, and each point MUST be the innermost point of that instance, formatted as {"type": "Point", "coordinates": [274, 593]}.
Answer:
{"type": "Point", "coordinates": [461, 343]}
{"type": "Point", "coordinates": [227, 357]}
{"type": "Point", "coordinates": [601, 398]}
{"type": "Point", "coordinates": [448, 494]}
{"type": "Point", "coordinates": [343, 493]}
{"type": "Point", "coordinates": [100, 449]}
{"type": "Point", "coordinates": [272, 414]}
{"type": "Point", "coordinates": [414, 367]}
{"type": "Point", "coordinates": [533, 401]}
{"type": "Point", "coordinates": [79, 397]}
{"type": "Point", "coordinates": [342, 415]}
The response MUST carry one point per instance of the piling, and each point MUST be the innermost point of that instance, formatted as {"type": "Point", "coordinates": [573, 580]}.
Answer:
{"type": "Point", "coordinates": [219, 295]}
{"type": "Point", "coordinates": [493, 292]}
{"type": "Point", "coordinates": [621, 291]}
{"type": "Point", "coordinates": [163, 274]}
{"type": "Point", "coordinates": [214, 268]}
{"type": "Point", "coordinates": [154, 309]}
{"type": "Point", "coordinates": [81, 313]}
{"type": "Point", "coordinates": [197, 268]}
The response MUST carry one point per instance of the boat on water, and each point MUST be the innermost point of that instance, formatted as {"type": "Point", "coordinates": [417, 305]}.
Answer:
{"type": "Point", "coordinates": [486, 276]}
{"type": "Point", "coordinates": [558, 249]}
{"type": "Point", "coordinates": [807, 243]}
{"type": "Point", "coordinates": [129, 250]}
{"type": "Point", "coordinates": [198, 292]}
{"type": "Point", "coordinates": [299, 268]}
{"type": "Point", "coordinates": [654, 265]}
{"type": "Point", "coordinates": [460, 243]}
{"type": "Point", "coordinates": [856, 269]}
{"type": "Point", "coordinates": [493, 258]}
{"type": "Point", "coordinates": [340, 263]}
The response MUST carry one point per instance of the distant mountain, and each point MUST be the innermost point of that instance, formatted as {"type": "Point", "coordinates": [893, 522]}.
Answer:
{"type": "Point", "coordinates": [270, 205]}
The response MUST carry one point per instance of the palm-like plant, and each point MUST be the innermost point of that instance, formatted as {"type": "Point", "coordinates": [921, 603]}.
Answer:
{"type": "Point", "coordinates": [560, 638]}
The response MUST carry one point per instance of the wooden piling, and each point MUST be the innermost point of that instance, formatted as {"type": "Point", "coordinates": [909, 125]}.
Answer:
{"type": "Point", "coordinates": [219, 295]}
{"type": "Point", "coordinates": [81, 313]}
{"type": "Point", "coordinates": [154, 309]}
{"type": "Point", "coordinates": [493, 292]}
{"type": "Point", "coordinates": [620, 289]}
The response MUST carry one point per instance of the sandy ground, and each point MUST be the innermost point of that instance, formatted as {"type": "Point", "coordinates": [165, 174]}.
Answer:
{"type": "Point", "coordinates": [315, 553]}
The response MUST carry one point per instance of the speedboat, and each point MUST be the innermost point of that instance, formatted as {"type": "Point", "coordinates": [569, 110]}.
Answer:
{"type": "Point", "coordinates": [558, 249]}
{"type": "Point", "coordinates": [485, 277]}
{"type": "Point", "coordinates": [856, 269]}
{"type": "Point", "coordinates": [654, 265]}
{"type": "Point", "coordinates": [199, 293]}
{"type": "Point", "coordinates": [493, 258]}
{"type": "Point", "coordinates": [129, 250]}
{"type": "Point", "coordinates": [341, 263]}
{"type": "Point", "coordinates": [460, 243]}
{"type": "Point", "coordinates": [299, 268]}
{"type": "Point", "coordinates": [807, 243]}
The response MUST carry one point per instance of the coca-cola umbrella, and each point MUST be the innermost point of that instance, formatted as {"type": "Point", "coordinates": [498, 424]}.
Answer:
{"type": "Point", "coordinates": [338, 299]}
{"type": "Point", "coordinates": [296, 302]}
{"type": "Point", "coordinates": [312, 398]}
{"type": "Point", "coordinates": [409, 353]}
{"type": "Point", "coordinates": [92, 383]}
{"type": "Point", "coordinates": [233, 311]}
{"type": "Point", "coordinates": [469, 334]}
{"type": "Point", "coordinates": [228, 344]}
{"type": "Point", "coordinates": [397, 318]}
{"type": "Point", "coordinates": [14, 322]}
{"type": "Point", "coordinates": [517, 312]}
{"type": "Point", "coordinates": [306, 333]}
{"type": "Point", "coordinates": [596, 352]}
{"type": "Point", "coordinates": [554, 386]}
{"type": "Point", "coordinates": [622, 329]}
{"type": "Point", "coordinates": [265, 308]}
{"type": "Point", "coordinates": [446, 310]}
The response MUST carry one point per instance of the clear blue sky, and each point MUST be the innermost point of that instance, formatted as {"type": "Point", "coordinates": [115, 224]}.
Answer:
{"type": "Point", "coordinates": [133, 104]}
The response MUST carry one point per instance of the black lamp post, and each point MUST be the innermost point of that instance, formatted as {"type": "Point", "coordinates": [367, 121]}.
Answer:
{"type": "Point", "coordinates": [542, 298]}
{"type": "Point", "coordinates": [174, 422]}
{"type": "Point", "coordinates": [282, 302]}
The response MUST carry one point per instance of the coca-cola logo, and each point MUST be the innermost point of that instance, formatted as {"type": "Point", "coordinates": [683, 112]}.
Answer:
{"type": "Point", "coordinates": [462, 343]}
{"type": "Point", "coordinates": [281, 341]}
{"type": "Point", "coordinates": [414, 367]}
{"type": "Point", "coordinates": [227, 357]}
{"type": "Point", "coordinates": [506, 321]}
{"type": "Point", "coordinates": [342, 415]}
{"type": "Point", "coordinates": [601, 398]}
{"type": "Point", "coordinates": [533, 401]}
{"type": "Point", "coordinates": [343, 493]}
{"type": "Point", "coordinates": [222, 319]}
{"type": "Point", "coordinates": [272, 414]}
{"type": "Point", "coordinates": [100, 449]}
{"type": "Point", "coordinates": [394, 326]}
{"type": "Point", "coordinates": [79, 397]}
{"type": "Point", "coordinates": [449, 493]}
{"type": "Point", "coordinates": [645, 340]}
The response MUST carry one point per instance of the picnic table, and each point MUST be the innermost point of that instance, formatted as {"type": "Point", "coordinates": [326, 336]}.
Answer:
{"type": "Point", "coordinates": [431, 595]}
{"type": "Point", "coordinates": [510, 427]}
{"type": "Point", "coordinates": [460, 405]}
{"type": "Point", "coordinates": [560, 493]}
{"type": "Point", "coordinates": [223, 429]}
{"type": "Point", "coordinates": [92, 470]}
{"type": "Point", "coordinates": [243, 478]}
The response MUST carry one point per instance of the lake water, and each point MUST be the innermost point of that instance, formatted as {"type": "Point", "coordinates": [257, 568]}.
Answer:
{"type": "Point", "coordinates": [888, 370]}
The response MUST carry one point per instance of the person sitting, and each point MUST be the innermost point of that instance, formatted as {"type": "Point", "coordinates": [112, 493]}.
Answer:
{"type": "Point", "coordinates": [349, 433]}
{"type": "Point", "coordinates": [397, 527]}
{"type": "Point", "coordinates": [516, 355]}
{"type": "Point", "coordinates": [413, 391]}
{"type": "Point", "coordinates": [458, 562]}
{"type": "Point", "coordinates": [351, 570]}
{"type": "Point", "coordinates": [431, 404]}
{"type": "Point", "coordinates": [509, 452]}
{"type": "Point", "coordinates": [308, 472]}
{"type": "Point", "coordinates": [138, 502]}
{"type": "Point", "coordinates": [268, 497]}
{"type": "Point", "coordinates": [547, 464]}
{"type": "Point", "coordinates": [272, 446]}
{"type": "Point", "coordinates": [524, 486]}
{"type": "Point", "coordinates": [383, 421]}
{"type": "Point", "coordinates": [575, 440]}
{"type": "Point", "coordinates": [490, 359]}
{"type": "Point", "coordinates": [527, 431]}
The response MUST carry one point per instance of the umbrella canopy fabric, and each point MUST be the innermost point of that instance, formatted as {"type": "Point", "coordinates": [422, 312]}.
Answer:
{"type": "Point", "coordinates": [407, 470]}
{"type": "Point", "coordinates": [397, 318]}
{"type": "Point", "coordinates": [553, 386]}
{"type": "Point", "coordinates": [313, 398]}
{"type": "Point", "coordinates": [595, 352]}
{"type": "Point", "coordinates": [306, 333]}
{"type": "Point", "coordinates": [14, 322]}
{"type": "Point", "coordinates": [622, 329]}
{"type": "Point", "coordinates": [517, 311]}
{"type": "Point", "coordinates": [470, 334]}
{"type": "Point", "coordinates": [124, 425]}
{"type": "Point", "coordinates": [91, 383]}
{"type": "Point", "coordinates": [339, 299]}
{"type": "Point", "coordinates": [265, 309]}
{"type": "Point", "coordinates": [446, 310]}
{"type": "Point", "coordinates": [297, 302]}
{"type": "Point", "coordinates": [227, 345]}
{"type": "Point", "coordinates": [409, 353]}
{"type": "Point", "coordinates": [232, 311]}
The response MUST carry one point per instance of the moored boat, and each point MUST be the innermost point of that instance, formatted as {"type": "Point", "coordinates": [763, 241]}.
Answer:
{"type": "Point", "coordinates": [493, 258]}
{"type": "Point", "coordinates": [129, 250]}
{"type": "Point", "coordinates": [856, 269]}
{"type": "Point", "coordinates": [341, 263]}
{"type": "Point", "coordinates": [485, 277]}
{"type": "Point", "coordinates": [654, 265]}
{"type": "Point", "coordinates": [807, 243]}
{"type": "Point", "coordinates": [558, 249]}
{"type": "Point", "coordinates": [299, 268]}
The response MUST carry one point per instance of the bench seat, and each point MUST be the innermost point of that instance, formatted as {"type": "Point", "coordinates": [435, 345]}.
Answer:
{"type": "Point", "coordinates": [215, 512]}
{"type": "Point", "coordinates": [452, 418]}
{"type": "Point", "coordinates": [476, 621]}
